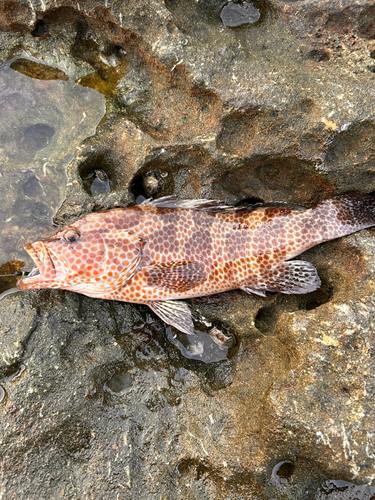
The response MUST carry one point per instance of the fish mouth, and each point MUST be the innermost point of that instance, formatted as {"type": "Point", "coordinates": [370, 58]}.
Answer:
{"type": "Point", "coordinates": [44, 260]}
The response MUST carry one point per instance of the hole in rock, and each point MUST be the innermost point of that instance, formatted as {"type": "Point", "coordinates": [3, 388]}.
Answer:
{"type": "Point", "coordinates": [283, 470]}
{"type": "Point", "coordinates": [318, 298]}
{"type": "Point", "coordinates": [119, 52]}
{"type": "Point", "coordinates": [266, 318]}
{"type": "Point", "coordinates": [97, 174]}
{"type": "Point", "coordinates": [41, 29]}
{"type": "Point", "coordinates": [85, 46]}
{"type": "Point", "coordinates": [345, 392]}
{"type": "Point", "coordinates": [119, 382]}
{"type": "Point", "coordinates": [181, 170]}
{"type": "Point", "coordinates": [318, 55]}
{"type": "Point", "coordinates": [155, 178]}
{"type": "Point", "coordinates": [152, 182]}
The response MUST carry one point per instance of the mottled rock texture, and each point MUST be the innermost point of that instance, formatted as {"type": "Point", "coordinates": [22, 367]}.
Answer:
{"type": "Point", "coordinates": [95, 401]}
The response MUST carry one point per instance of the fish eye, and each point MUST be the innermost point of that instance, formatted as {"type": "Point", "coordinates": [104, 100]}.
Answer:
{"type": "Point", "coordinates": [71, 235]}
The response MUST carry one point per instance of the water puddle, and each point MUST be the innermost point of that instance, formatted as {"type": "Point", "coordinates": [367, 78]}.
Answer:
{"type": "Point", "coordinates": [235, 15]}
{"type": "Point", "coordinates": [43, 117]}
{"type": "Point", "coordinates": [99, 182]}
{"type": "Point", "coordinates": [36, 69]}
{"type": "Point", "coordinates": [335, 489]}
{"type": "Point", "coordinates": [209, 344]}
{"type": "Point", "coordinates": [202, 346]}
{"type": "Point", "coordinates": [119, 383]}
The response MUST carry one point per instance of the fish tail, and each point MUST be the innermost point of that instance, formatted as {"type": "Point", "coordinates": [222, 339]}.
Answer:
{"type": "Point", "coordinates": [344, 215]}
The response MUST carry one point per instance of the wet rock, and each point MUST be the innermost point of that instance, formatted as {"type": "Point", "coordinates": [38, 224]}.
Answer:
{"type": "Point", "coordinates": [278, 108]}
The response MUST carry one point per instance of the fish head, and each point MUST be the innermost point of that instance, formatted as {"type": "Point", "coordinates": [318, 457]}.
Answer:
{"type": "Point", "coordinates": [90, 256]}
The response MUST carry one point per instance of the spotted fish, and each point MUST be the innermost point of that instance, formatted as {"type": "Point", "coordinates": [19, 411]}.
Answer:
{"type": "Point", "coordinates": [168, 249]}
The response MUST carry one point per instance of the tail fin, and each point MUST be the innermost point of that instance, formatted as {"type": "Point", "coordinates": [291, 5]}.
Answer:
{"type": "Point", "coordinates": [345, 214]}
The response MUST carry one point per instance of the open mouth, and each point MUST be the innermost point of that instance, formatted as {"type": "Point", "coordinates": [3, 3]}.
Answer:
{"type": "Point", "coordinates": [45, 266]}
{"type": "Point", "coordinates": [42, 258]}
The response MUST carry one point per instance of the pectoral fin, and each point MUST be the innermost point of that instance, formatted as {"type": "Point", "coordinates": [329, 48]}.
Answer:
{"type": "Point", "coordinates": [174, 313]}
{"type": "Point", "coordinates": [123, 255]}
{"type": "Point", "coordinates": [296, 276]}
{"type": "Point", "coordinates": [177, 276]}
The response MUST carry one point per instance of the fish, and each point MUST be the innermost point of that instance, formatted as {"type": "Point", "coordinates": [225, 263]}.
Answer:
{"type": "Point", "coordinates": [165, 250]}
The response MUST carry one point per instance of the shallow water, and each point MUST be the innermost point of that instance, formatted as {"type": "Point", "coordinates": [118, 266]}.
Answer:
{"type": "Point", "coordinates": [42, 121]}
{"type": "Point", "coordinates": [200, 346]}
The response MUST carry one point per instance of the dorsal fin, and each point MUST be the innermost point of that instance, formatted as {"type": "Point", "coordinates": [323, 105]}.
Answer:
{"type": "Point", "coordinates": [275, 204]}
{"type": "Point", "coordinates": [213, 206]}
{"type": "Point", "coordinates": [204, 205]}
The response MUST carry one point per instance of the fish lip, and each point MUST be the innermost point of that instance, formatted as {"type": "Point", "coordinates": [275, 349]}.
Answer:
{"type": "Point", "coordinates": [33, 254]}
{"type": "Point", "coordinates": [42, 257]}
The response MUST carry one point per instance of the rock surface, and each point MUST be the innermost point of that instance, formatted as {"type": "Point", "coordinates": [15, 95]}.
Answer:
{"type": "Point", "coordinates": [95, 402]}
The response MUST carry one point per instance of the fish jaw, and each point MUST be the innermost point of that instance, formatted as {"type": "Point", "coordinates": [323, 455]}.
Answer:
{"type": "Point", "coordinates": [50, 276]}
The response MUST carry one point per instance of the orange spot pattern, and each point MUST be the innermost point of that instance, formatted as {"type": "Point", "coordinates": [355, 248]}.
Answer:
{"type": "Point", "coordinates": [145, 253]}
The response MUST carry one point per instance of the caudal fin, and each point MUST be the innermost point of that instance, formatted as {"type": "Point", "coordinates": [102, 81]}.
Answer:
{"type": "Point", "coordinates": [345, 214]}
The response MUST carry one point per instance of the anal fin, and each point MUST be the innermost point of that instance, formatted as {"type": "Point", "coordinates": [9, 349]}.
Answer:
{"type": "Point", "coordinates": [174, 313]}
{"type": "Point", "coordinates": [256, 291]}
{"type": "Point", "coordinates": [295, 276]}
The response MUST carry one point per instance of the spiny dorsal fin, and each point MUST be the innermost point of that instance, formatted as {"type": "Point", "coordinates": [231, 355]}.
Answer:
{"type": "Point", "coordinates": [176, 276]}
{"type": "Point", "coordinates": [174, 313]}
{"type": "Point", "coordinates": [213, 206]}
{"type": "Point", "coordinates": [204, 205]}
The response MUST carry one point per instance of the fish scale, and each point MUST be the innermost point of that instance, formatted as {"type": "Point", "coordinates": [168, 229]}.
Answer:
{"type": "Point", "coordinates": [166, 249]}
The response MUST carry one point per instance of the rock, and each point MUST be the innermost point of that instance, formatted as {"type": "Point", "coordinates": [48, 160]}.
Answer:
{"type": "Point", "coordinates": [95, 400]}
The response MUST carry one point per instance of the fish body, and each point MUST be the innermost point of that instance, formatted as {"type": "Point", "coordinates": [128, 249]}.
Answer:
{"type": "Point", "coordinates": [167, 249]}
